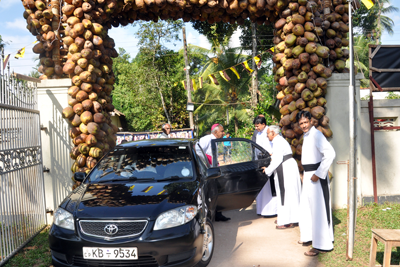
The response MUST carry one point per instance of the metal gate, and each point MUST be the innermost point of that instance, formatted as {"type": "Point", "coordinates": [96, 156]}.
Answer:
{"type": "Point", "coordinates": [22, 201]}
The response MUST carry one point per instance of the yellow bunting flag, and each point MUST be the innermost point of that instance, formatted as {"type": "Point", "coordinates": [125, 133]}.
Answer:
{"type": "Point", "coordinates": [200, 82]}
{"type": "Point", "coordinates": [147, 189]}
{"type": "Point", "coordinates": [224, 75]}
{"type": "Point", "coordinates": [258, 61]}
{"type": "Point", "coordinates": [184, 84]}
{"type": "Point", "coordinates": [131, 188]}
{"type": "Point", "coordinates": [194, 85]}
{"type": "Point", "coordinates": [235, 71]}
{"type": "Point", "coordinates": [6, 61]}
{"type": "Point", "coordinates": [213, 79]}
{"type": "Point", "coordinates": [368, 3]}
{"type": "Point", "coordinates": [162, 192]}
{"type": "Point", "coordinates": [246, 66]}
{"type": "Point", "coordinates": [20, 53]}
{"type": "Point", "coordinates": [272, 49]}
{"type": "Point", "coordinates": [176, 83]}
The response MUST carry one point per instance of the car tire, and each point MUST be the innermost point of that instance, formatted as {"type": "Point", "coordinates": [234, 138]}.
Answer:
{"type": "Point", "coordinates": [208, 245]}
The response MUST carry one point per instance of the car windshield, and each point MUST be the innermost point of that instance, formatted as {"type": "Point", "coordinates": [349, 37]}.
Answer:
{"type": "Point", "coordinates": [142, 164]}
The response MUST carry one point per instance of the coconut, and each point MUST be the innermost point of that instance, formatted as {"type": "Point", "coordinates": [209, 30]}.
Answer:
{"type": "Point", "coordinates": [311, 47]}
{"type": "Point", "coordinates": [87, 104]}
{"type": "Point", "coordinates": [86, 117]}
{"type": "Point", "coordinates": [307, 95]}
{"type": "Point", "coordinates": [293, 115]}
{"type": "Point", "coordinates": [324, 121]}
{"type": "Point", "coordinates": [284, 110]}
{"type": "Point", "coordinates": [298, 30]}
{"type": "Point", "coordinates": [299, 87]}
{"type": "Point", "coordinates": [300, 104]}
{"type": "Point", "coordinates": [312, 103]}
{"type": "Point", "coordinates": [67, 113]}
{"type": "Point", "coordinates": [285, 120]}
{"type": "Point", "coordinates": [317, 112]}
{"type": "Point", "coordinates": [93, 127]}
{"type": "Point", "coordinates": [302, 77]}
{"type": "Point", "coordinates": [75, 120]}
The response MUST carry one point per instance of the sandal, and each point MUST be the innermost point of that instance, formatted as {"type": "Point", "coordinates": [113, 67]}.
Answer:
{"type": "Point", "coordinates": [312, 252]}
{"type": "Point", "coordinates": [286, 226]}
{"type": "Point", "coordinates": [305, 244]}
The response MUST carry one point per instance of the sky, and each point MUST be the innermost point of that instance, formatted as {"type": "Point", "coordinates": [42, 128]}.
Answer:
{"type": "Point", "coordinates": [13, 31]}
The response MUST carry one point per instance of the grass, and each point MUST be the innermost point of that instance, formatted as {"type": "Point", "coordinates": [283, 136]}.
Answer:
{"type": "Point", "coordinates": [368, 217]}
{"type": "Point", "coordinates": [35, 254]}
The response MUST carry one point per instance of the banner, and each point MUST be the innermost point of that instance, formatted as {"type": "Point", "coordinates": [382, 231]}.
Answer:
{"type": "Point", "coordinates": [132, 136]}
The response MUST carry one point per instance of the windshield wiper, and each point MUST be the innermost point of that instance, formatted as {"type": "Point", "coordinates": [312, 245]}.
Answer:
{"type": "Point", "coordinates": [172, 178]}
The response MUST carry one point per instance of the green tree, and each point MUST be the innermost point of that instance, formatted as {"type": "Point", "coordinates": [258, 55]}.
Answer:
{"type": "Point", "coordinates": [229, 100]}
{"type": "Point", "coordinates": [372, 22]}
{"type": "Point", "coordinates": [361, 60]}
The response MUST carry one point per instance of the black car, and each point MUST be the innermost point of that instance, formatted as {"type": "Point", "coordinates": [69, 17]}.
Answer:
{"type": "Point", "coordinates": [153, 202]}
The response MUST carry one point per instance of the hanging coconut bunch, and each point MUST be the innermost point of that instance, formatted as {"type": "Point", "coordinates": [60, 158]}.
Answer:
{"type": "Point", "coordinates": [43, 21]}
{"type": "Point", "coordinates": [309, 47]}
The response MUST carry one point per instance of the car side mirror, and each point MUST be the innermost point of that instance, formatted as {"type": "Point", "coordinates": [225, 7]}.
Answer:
{"type": "Point", "coordinates": [213, 173]}
{"type": "Point", "coordinates": [79, 176]}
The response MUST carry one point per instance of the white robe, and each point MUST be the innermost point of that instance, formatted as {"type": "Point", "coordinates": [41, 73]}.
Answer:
{"type": "Point", "coordinates": [289, 212]}
{"type": "Point", "coordinates": [205, 144]}
{"type": "Point", "coordinates": [267, 205]}
{"type": "Point", "coordinates": [313, 214]}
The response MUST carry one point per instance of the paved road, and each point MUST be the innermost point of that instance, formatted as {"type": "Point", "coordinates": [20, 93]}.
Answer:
{"type": "Point", "coordinates": [249, 240]}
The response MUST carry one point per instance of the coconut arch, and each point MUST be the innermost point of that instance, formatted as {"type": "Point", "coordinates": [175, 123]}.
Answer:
{"type": "Point", "coordinates": [73, 43]}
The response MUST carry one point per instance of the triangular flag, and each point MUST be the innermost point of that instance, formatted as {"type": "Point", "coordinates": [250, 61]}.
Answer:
{"type": "Point", "coordinates": [368, 3]}
{"type": "Point", "coordinates": [224, 75]}
{"type": "Point", "coordinates": [184, 84]}
{"type": "Point", "coordinates": [213, 79]}
{"type": "Point", "coordinates": [20, 53]}
{"type": "Point", "coordinates": [272, 49]}
{"type": "Point", "coordinates": [246, 66]}
{"type": "Point", "coordinates": [191, 85]}
{"type": "Point", "coordinates": [258, 61]}
{"type": "Point", "coordinates": [176, 83]}
{"type": "Point", "coordinates": [200, 82]}
{"type": "Point", "coordinates": [194, 85]}
{"type": "Point", "coordinates": [6, 61]}
{"type": "Point", "coordinates": [235, 71]}
{"type": "Point", "coordinates": [35, 42]}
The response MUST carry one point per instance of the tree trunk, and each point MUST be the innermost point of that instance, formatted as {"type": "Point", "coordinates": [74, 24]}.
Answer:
{"type": "Point", "coordinates": [378, 28]}
{"type": "Point", "coordinates": [236, 124]}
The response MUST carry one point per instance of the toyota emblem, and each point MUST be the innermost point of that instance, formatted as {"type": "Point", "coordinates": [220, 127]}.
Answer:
{"type": "Point", "coordinates": [111, 229]}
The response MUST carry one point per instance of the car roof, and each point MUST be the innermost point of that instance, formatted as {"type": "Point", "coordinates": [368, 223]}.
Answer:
{"type": "Point", "coordinates": [158, 142]}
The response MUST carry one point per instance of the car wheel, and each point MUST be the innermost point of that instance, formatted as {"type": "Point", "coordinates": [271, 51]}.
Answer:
{"type": "Point", "coordinates": [208, 245]}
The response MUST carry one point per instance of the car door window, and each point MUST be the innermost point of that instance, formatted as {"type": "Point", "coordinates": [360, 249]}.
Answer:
{"type": "Point", "coordinates": [200, 153]}
{"type": "Point", "coordinates": [236, 152]}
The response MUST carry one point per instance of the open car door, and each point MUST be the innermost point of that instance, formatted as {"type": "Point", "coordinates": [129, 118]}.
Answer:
{"type": "Point", "coordinates": [239, 162]}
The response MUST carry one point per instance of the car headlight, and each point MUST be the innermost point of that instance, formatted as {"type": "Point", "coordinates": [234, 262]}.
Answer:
{"type": "Point", "coordinates": [64, 219]}
{"type": "Point", "coordinates": [175, 217]}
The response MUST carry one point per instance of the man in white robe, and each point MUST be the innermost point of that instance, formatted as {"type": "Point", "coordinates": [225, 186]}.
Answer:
{"type": "Point", "coordinates": [287, 179]}
{"type": "Point", "coordinates": [267, 204]}
{"type": "Point", "coordinates": [316, 158]}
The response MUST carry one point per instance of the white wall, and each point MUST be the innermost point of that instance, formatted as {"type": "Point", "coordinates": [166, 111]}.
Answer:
{"type": "Point", "coordinates": [337, 109]}
{"type": "Point", "coordinates": [387, 153]}
{"type": "Point", "coordinates": [56, 144]}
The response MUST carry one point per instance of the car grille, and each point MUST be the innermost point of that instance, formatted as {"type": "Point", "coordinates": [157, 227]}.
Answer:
{"type": "Point", "coordinates": [144, 261]}
{"type": "Point", "coordinates": [125, 228]}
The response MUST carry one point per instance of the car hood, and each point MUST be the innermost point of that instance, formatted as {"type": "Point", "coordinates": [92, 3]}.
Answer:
{"type": "Point", "coordinates": [129, 200]}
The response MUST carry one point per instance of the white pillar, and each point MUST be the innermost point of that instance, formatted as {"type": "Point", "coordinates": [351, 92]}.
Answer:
{"type": "Point", "coordinates": [56, 144]}
{"type": "Point", "coordinates": [337, 109]}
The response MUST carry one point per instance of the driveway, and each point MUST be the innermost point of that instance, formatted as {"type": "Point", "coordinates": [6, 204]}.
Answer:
{"type": "Point", "coordinates": [249, 240]}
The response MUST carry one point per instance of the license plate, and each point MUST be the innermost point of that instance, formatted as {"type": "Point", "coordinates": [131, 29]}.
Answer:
{"type": "Point", "coordinates": [110, 253]}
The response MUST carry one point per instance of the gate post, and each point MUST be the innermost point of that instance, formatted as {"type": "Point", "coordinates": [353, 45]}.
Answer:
{"type": "Point", "coordinates": [337, 109]}
{"type": "Point", "coordinates": [56, 144]}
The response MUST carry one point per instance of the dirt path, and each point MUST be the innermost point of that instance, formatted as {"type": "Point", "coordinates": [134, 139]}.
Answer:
{"type": "Point", "coordinates": [249, 240]}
